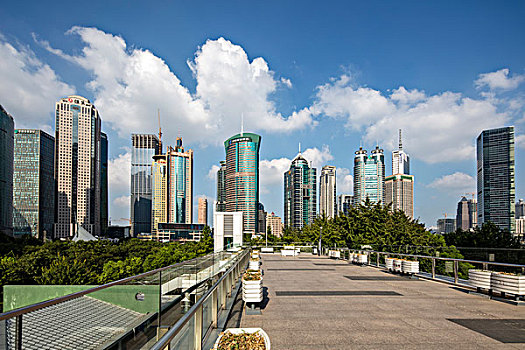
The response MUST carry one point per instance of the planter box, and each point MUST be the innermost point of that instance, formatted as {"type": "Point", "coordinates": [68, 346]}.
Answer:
{"type": "Point", "coordinates": [253, 265]}
{"type": "Point", "coordinates": [244, 330]}
{"type": "Point", "coordinates": [336, 254]}
{"type": "Point", "coordinates": [512, 284]}
{"type": "Point", "coordinates": [480, 278]}
{"type": "Point", "coordinates": [408, 266]}
{"type": "Point", "coordinates": [362, 258]}
{"type": "Point", "coordinates": [288, 252]}
{"type": "Point", "coordinates": [397, 265]}
{"type": "Point", "coordinates": [389, 263]}
{"type": "Point", "coordinates": [267, 250]}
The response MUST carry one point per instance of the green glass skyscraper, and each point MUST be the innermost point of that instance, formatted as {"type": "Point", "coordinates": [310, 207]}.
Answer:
{"type": "Point", "coordinates": [496, 188]}
{"type": "Point", "coordinates": [242, 177]}
{"type": "Point", "coordinates": [33, 183]}
{"type": "Point", "coordinates": [300, 194]}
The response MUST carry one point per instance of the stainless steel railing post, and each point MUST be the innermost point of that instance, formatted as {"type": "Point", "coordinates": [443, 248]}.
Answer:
{"type": "Point", "coordinates": [456, 271]}
{"type": "Point", "coordinates": [198, 329]}
{"type": "Point", "coordinates": [214, 308]}
{"type": "Point", "coordinates": [18, 335]}
{"type": "Point", "coordinates": [433, 268]}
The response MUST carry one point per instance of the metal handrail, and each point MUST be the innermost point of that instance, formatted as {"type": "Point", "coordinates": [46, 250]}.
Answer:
{"type": "Point", "coordinates": [437, 258]}
{"type": "Point", "coordinates": [177, 327]}
{"type": "Point", "coordinates": [43, 304]}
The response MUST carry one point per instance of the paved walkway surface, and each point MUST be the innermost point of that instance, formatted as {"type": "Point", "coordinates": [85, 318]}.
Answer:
{"type": "Point", "coordinates": [318, 303]}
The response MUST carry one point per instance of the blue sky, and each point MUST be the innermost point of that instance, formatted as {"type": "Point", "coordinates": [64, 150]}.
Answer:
{"type": "Point", "coordinates": [331, 75]}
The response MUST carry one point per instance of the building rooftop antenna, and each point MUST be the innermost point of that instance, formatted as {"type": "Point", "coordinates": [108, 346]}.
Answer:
{"type": "Point", "coordinates": [242, 124]}
{"type": "Point", "coordinates": [160, 129]}
{"type": "Point", "coordinates": [400, 143]}
{"type": "Point", "coordinates": [299, 148]}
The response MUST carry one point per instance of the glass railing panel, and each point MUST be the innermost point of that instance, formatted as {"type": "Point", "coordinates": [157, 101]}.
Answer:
{"type": "Point", "coordinates": [185, 339]}
{"type": "Point", "coordinates": [207, 316]}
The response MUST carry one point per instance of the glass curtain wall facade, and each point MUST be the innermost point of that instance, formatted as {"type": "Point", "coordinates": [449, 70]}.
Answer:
{"type": "Point", "coordinates": [180, 194]}
{"type": "Point", "coordinates": [34, 184]}
{"type": "Point", "coordinates": [495, 172]}
{"type": "Point", "coordinates": [221, 188]}
{"type": "Point", "coordinates": [104, 208]}
{"type": "Point", "coordinates": [159, 204]}
{"type": "Point", "coordinates": [369, 176]}
{"type": "Point", "coordinates": [144, 147]}
{"type": "Point", "coordinates": [7, 128]}
{"type": "Point", "coordinates": [300, 194]}
{"type": "Point", "coordinates": [242, 177]}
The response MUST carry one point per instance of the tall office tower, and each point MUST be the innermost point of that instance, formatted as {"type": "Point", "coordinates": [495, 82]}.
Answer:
{"type": "Point", "coordinates": [300, 194]}
{"type": "Point", "coordinates": [466, 217]}
{"type": "Point", "coordinates": [77, 166]}
{"type": "Point", "coordinates": [261, 219]}
{"type": "Point", "coordinates": [369, 176]}
{"type": "Point", "coordinates": [7, 129]}
{"type": "Point", "coordinates": [180, 188]}
{"type": "Point", "coordinates": [399, 193]}
{"type": "Point", "coordinates": [242, 177]}
{"type": "Point", "coordinates": [520, 209]}
{"type": "Point", "coordinates": [221, 188]}
{"type": "Point", "coordinates": [159, 185]}
{"type": "Point", "coordinates": [144, 147]}
{"type": "Point", "coordinates": [203, 211]}
{"type": "Point", "coordinates": [344, 203]}
{"type": "Point", "coordinates": [400, 160]}
{"type": "Point", "coordinates": [495, 158]}
{"type": "Point", "coordinates": [104, 208]}
{"type": "Point", "coordinates": [446, 225]}
{"type": "Point", "coordinates": [327, 191]}
{"type": "Point", "coordinates": [274, 225]}
{"type": "Point", "coordinates": [34, 184]}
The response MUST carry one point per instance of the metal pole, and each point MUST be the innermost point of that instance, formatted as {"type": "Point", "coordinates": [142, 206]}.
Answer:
{"type": "Point", "coordinates": [18, 331]}
{"type": "Point", "coordinates": [456, 271]}
{"type": "Point", "coordinates": [433, 268]}
{"type": "Point", "coordinates": [320, 238]}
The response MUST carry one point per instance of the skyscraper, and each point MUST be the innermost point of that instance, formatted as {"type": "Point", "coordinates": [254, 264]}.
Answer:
{"type": "Point", "coordinates": [261, 219]}
{"type": "Point", "coordinates": [300, 194]}
{"type": "Point", "coordinates": [180, 184]}
{"type": "Point", "coordinates": [446, 225]}
{"type": "Point", "coordinates": [242, 177]}
{"type": "Point", "coordinates": [274, 225]}
{"type": "Point", "coordinates": [203, 211]}
{"type": "Point", "coordinates": [399, 193]}
{"type": "Point", "coordinates": [369, 176]}
{"type": "Point", "coordinates": [466, 216]}
{"type": "Point", "coordinates": [496, 191]}
{"type": "Point", "coordinates": [144, 147]}
{"type": "Point", "coordinates": [327, 191]}
{"type": "Point", "coordinates": [33, 183]}
{"type": "Point", "coordinates": [77, 166]}
{"type": "Point", "coordinates": [7, 128]}
{"type": "Point", "coordinates": [344, 203]}
{"type": "Point", "coordinates": [520, 209]}
{"type": "Point", "coordinates": [221, 188]}
{"type": "Point", "coordinates": [400, 160]}
{"type": "Point", "coordinates": [159, 203]}
{"type": "Point", "coordinates": [104, 208]}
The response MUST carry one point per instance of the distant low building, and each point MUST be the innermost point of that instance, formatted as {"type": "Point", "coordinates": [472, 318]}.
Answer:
{"type": "Point", "coordinates": [179, 232]}
{"type": "Point", "coordinates": [344, 203]}
{"type": "Point", "coordinates": [227, 230]}
{"type": "Point", "coordinates": [274, 225]}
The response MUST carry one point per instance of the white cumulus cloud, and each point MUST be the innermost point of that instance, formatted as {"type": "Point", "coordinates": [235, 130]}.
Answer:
{"type": "Point", "coordinates": [457, 183]}
{"type": "Point", "coordinates": [122, 201]}
{"type": "Point", "coordinates": [345, 181]}
{"type": "Point", "coordinates": [130, 84]}
{"type": "Point", "coordinates": [499, 80]}
{"type": "Point", "coordinates": [29, 87]}
{"type": "Point", "coordinates": [212, 173]}
{"type": "Point", "coordinates": [520, 141]}
{"type": "Point", "coordinates": [119, 174]}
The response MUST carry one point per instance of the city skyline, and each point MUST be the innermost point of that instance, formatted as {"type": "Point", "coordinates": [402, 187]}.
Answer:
{"type": "Point", "coordinates": [358, 87]}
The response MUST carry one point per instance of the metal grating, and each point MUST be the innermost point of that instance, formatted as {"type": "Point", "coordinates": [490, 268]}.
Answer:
{"type": "Point", "coordinates": [299, 293]}
{"type": "Point", "coordinates": [378, 278]}
{"type": "Point", "coordinates": [502, 330]}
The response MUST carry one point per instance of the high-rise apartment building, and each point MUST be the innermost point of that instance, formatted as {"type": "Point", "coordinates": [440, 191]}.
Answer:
{"type": "Point", "coordinates": [7, 129]}
{"type": "Point", "coordinates": [221, 188]}
{"type": "Point", "coordinates": [344, 203]}
{"type": "Point", "coordinates": [159, 183]}
{"type": "Point", "coordinates": [180, 184]}
{"type": "Point", "coordinates": [467, 214]}
{"type": "Point", "coordinates": [369, 176]}
{"type": "Point", "coordinates": [104, 206]}
{"type": "Point", "coordinates": [144, 147]}
{"type": "Point", "coordinates": [203, 211]}
{"type": "Point", "coordinates": [77, 166]}
{"type": "Point", "coordinates": [242, 177]}
{"type": "Point", "coordinates": [274, 225]}
{"type": "Point", "coordinates": [300, 194]}
{"type": "Point", "coordinates": [33, 184]}
{"type": "Point", "coordinates": [327, 191]}
{"type": "Point", "coordinates": [399, 193]}
{"type": "Point", "coordinates": [495, 172]}
{"type": "Point", "coordinates": [400, 160]}
{"type": "Point", "coordinates": [520, 209]}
